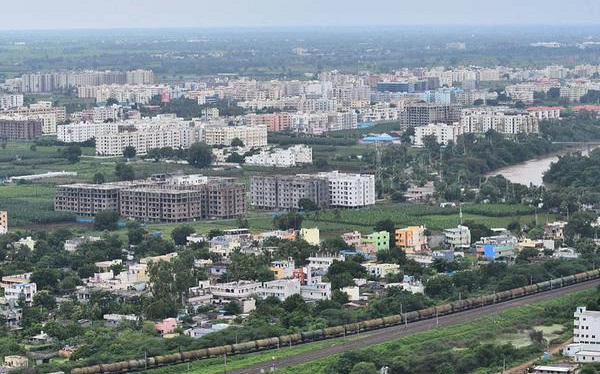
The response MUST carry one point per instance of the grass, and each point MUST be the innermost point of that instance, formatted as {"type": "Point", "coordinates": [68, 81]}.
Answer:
{"type": "Point", "coordinates": [458, 337]}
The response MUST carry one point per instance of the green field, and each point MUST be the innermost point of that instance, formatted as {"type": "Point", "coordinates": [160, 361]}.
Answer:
{"type": "Point", "coordinates": [457, 339]}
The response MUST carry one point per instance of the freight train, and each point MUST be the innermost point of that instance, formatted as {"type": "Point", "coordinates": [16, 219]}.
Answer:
{"type": "Point", "coordinates": [336, 331]}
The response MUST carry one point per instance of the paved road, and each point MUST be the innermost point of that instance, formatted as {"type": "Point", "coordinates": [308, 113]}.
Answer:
{"type": "Point", "coordinates": [389, 333]}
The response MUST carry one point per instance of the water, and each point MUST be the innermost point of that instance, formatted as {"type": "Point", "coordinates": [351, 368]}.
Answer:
{"type": "Point", "coordinates": [531, 172]}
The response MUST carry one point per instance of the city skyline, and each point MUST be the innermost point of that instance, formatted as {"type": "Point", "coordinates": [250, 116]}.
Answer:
{"type": "Point", "coordinates": [69, 14]}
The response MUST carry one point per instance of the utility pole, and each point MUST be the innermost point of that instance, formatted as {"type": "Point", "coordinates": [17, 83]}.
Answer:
{"type": "Point", "coordinates": [225, 363]}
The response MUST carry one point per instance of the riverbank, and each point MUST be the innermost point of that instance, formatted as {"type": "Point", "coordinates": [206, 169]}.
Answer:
{"type": "Point", "coordinates": [531, 172]}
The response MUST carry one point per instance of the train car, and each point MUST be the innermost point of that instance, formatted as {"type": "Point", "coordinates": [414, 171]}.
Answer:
{"type": "Point", "coordinates": [266, 343]}
{"type": "Point", "coordinates": [543, 286]}
{"type": "Point", "coordinates": [290, 339]}
{"type": "Point", "coordinates": [219, 351]}
{"type": "Point", "coordinates": [371, 324]}
{"type": "Point", "coordinates": [530, 289]}
{"type": "Point", "coordinates": [411, 316]}
{"type": "Point", "coordinates": [517, 292]}
{"type": "Point", "coordinates": [427, 313]}
{"type": "Point", "coordinates": [593, 273]}
{"type": "Point", "coordinates": [556, 283]}
{"type": "Point", "coordinates": [392, 320]}
{"type": "Point", "coordinates": [87, 370]}
{"type": "Point", "coordinates": [352, 328]}
{"type": "Point", "coordinates": [244, 347]}
{"type": "Point", "coordinates": [580, 277]}
{"type": "Point", "coordinates": [569, 279]}
{"type": "Point", "coordinates": [332, 332]}
{"type": "Point", "coordinates": [503, 296]}
{"type": "Point", "coordinates": [441, 310]}
{"type": "Point", "coordinates": [308, 336]}
{"type": "Point", "coordinates": [485, 300]}
{"type": "Point", "coordinates": [460, 305]}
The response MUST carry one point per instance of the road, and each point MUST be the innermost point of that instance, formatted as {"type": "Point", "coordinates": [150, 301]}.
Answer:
{"type": "Point", "coordinates": [390, 333]}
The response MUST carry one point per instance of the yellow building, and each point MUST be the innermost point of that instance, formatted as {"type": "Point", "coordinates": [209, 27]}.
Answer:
{"type": "Point", "coordinates": [3, 222]}
{"type": "Point", "coordinates": [411, 238]}
{"type": "Point", "coordinates": [312, 236]}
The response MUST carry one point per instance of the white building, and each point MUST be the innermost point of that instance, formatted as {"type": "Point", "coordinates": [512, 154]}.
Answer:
{"type": "Point", "coordinates": [8, 101]}
{"type": "Point", "coordinates": [80, 132]}
{"type": "Point", "coordinates": [381, 270]}
{"type": "Point", "coordinates": [224, 135]}
{"type": "Point", "coordinates": [458, 238]}
{"type": "Point", "coordinates": [443, 133]}
{"type": "Point", "coordinates": [14, 292]}
{"type": "Point", "coordinates": [586, 336]}
{"type": "Point", "coordinates": [71, 245]}
{"type": "Point", "coordinates": [281, 288]}
{"type": "Point", "coordinates": [235, 290]}
{"type": "Point", "coordinates": [298, 154]}
{"type": "Point", "coordinates": [316, 291]}
{"type": "Point", "coordinates": [350, 190]}
{"type": "Point", "coordinates": [503, 121]}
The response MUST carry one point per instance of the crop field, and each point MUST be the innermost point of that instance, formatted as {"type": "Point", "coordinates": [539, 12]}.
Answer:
{"type": "Point", "coordinates": [30, 204]}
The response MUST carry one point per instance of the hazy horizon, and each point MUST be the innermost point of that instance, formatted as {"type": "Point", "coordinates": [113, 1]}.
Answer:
{"type": "Point", "coordinates": [31, 15]}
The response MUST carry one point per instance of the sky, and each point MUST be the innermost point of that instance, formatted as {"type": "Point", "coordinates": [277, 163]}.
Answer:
{"type": "Point", "coordinates": [94, 14]}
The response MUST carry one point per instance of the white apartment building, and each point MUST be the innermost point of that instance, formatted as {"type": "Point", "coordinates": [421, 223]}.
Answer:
{"type": "Point", "coordinates": [80, 132]}
{"type": "Point", "coordinates": [140, 76]}
{"type": "Point", "coordinates": [505, 122]}
{"type": "Point", "coordinates": [298, 154]}
{"type": "Point", "coordinates": [350, 190]}
{"type": "Point", "coordinates": [545, 112]}
{"type": "Point", "coordinates": [224, 135]}
{"type": "Point", "coordinates": [281, 288]}
{"type": "Point", "coordinates": [586, 336]}
{"type": "Point", "coordinates": [443, 133]}
{"type": "Point", "coordinates": [458, 238]}
{"type": "Point", "coordinates": [8, 101]}
{"type": "Point", "coordinates": [520, 92]}
{"type": "Point", "coordinates": [574, 91]}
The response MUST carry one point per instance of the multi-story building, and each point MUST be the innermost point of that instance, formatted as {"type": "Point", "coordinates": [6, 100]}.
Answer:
{"type": "Point", "coordinates": [274, 121]}
{"type": "Point", "coordinates": [80, 132]}
{"type": "Point", "coordinates": [442, 132]}
{"type": "Point", "coordinates": [156, 200]}
{"type": "Point", "coordinates": [3, 222]}
{"type": "Point", "coordinates": [298, 154]}
{"type": "Point", "coordinates": [49, 82]}
{"type": "Point", "coordinates": [422, 114]}
{"type": "Point", "coordinates": [381, 270]}
{"type": "Point", "coordinates": [412, 238]}
{"type": "Point", "coordinates": [350, 190]}
{"type": "Point", "coordinates": [503, 121]}
{"type": "Point", "coordinates": [316, 291]}
{"type": "Point", "coordinates": [25, 291]}
{"type": "Point", "coordinates": [283, 192]}
{"type": "Point", "coordinates": [378, 241]}
{"type": "Point", "coordinates": [9, 101]}
{"type": "Point", "coordinates": [281, 289]}
{"type": "Point", "coordinates": [586, 336]}
{"type": "Point", "coordinates": [145, 138]}
{"type": "Point", "coordinates": [545, 112]}
{"type": "Point", "coordinates": [255, 136]}
{"type": "Point", "coordinates": [140, 76]}
{"type": "Point", "coordinates": [499, 247]}
{"type": "Point", "coordinates": [19, 128]}
{"type": "Point", "coordinates": [458, 238]}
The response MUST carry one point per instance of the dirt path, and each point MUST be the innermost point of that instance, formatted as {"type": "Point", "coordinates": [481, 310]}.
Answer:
{"type": "Point", "coordinates": [523, 367]}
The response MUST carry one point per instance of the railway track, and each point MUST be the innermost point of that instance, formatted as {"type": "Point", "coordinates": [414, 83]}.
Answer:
{"type": "Point", "coordinates": [366, 339]}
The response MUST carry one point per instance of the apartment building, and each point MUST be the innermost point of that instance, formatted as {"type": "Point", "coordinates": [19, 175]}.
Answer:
{"type": "Point", "coordinates": [316, 291]}
{"type": "Point", "coordinates": [298, 154]}
{"type": "Point", "coordinates": [3, 222]}
{"type": "Point", "coordinates": [19, 128]}
{"type": "Point", "coordinates": [156, 200]}
{"type": "Point", "coordinates": [378, 241]}
{"type": "Point", "coordinates": [350, 190]}
{"type": "Point", "coordinates": [223, 135]}
{"type": "Point", "coordinates": [442, 132]}
{"type": "Point", "coordinates": [43, 111]}
{"type": "Point", "coordinates": [545, 112]}
{"type": "Point", "coordinates": [283, 192]}
{"type": "Point", "coordinates": [458, 238]}
{"type": "Point", "coordinates": [381, 270]}
{"type": "Point", "coordinates": [49, 82]}
{"type": "Point", "coordinates": [139, 76]}
{"type": "Point", "coordinates": [422, 114]}
{"type": "Point", "coordinates": [503, 121]}
{"type": "Point", "coordinates": [9, 101]}
{"type": "Point", "coordinates": [586, 336]}
{"type": "Point", "coordinates": [274, 121]}
{"type": "Point", "coordinates": [80, 132]}
{"type": "Point", "coordinates": [145, 138]}
{"type": "Point", "coordinates": [411, 238]}
{"type": "Point", "coordinates": [498, 247]}
{"type": "Point", "coordinates": [281, 288]}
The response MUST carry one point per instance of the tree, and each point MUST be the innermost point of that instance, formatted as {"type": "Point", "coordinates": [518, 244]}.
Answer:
{"type": "Point", "coordinates": [527, 254]}
{"type": "Point", "coordinates": [288, 221]}
{"type": "Point", "coordinates": [307, 205]}
{"type": "Point", "coordinates": [111, 101]}
{"type": "Point", "coordinates": [129, 152]}
{"type": "Point", "coordinates": [124, 172]}
{"type": "Point", "coordinates": [106, 220]}
{"type": "Point", "coordinates": [72, 153]}
{"type": "Point", "coordinates": [386, 225]}
{"type": "Point", "coordinates": [180, 234]}
{"type": "Point", "coordinates": [232, 308]}
{"type": "Point", "coordinates": [44, 299]}
{"type": "Point", "coordinates": [364, 368]}
{"type": "Point", "coordinates": [200, 155]}
{"type": "Point", "coordinates": [135, 233]}
{"type": "Point", "coordinates": [45, 279]}
{"type": "Point", "coordinates": [478, 102]}
{"type": "Point", "coordinates": [99, 178]}
{"type": "Point", "coordinates": [235, 158]}
{"type": "Point", "coordinates": [116, 269]}
{"type": "Point", "coordinates": [237, 142]}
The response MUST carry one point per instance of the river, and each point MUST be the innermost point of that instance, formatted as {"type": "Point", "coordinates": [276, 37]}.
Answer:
{"type": "Point", "coordinates": [532, 171]}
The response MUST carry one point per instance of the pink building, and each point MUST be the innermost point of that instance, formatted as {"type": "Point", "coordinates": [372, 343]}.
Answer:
{"type": "Point", "coordinates": [167, 326]}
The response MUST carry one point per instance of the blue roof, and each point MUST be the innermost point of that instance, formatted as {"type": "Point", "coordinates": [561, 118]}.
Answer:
{"type": "Point", "coordinates": [379, 138]}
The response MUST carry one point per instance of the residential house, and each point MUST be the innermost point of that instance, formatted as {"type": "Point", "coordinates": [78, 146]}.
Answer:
{"type": "Point", "coordinates": [412, 239]}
